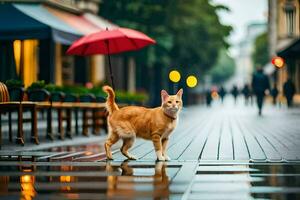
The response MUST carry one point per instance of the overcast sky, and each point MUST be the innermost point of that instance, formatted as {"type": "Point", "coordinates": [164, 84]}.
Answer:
{"type": "Point", "coordinates": [242, 13]}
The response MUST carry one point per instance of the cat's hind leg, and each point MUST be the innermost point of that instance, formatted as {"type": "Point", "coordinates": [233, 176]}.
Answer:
{"type": "Point", "coordinates": [127, 144]}
{"type": "Point", "coordinates": [112, 139]}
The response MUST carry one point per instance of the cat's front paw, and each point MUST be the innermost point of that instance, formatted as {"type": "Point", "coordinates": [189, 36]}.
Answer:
{"type": "Point", "coordinates": [161, 158]}
{"type": "Point", "coordinates": [167, 158]}
{"type": "Point", "coordinates": [131, 157]}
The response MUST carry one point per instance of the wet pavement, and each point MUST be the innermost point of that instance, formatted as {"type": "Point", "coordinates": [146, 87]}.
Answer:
{"type": "Point", "coordinates": [224, 152]}
{"type": "Point", "coordinates": [136, 180]}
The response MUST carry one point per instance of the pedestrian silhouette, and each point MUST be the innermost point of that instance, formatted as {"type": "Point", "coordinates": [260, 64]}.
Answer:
{"type": "Point", "coordinates": [208, 98]}
{"type": "Point", "coordinates": [235, 93]}
{"type": "Point", "coordinates": [289, 91]}
{"type": "Point", "coordinates": [247, 93]}
{"type": "Point", "coordinates": [274, 94]}
{"type": "Point", "coordinates": [260, 83]}
{"type": "Point", "coordinates": [222, 93]}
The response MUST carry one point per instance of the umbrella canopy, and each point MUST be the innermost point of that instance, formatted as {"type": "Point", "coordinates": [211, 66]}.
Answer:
{"type": "Point", "coordinates": [110, 42]}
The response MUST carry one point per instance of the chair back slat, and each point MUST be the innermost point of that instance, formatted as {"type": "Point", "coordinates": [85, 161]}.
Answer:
{"type": "Point", "coordinates": [38, 95]}
{"type": "Point", "coordinates": [57, 96]}
{"type": "Point", "coordinates": [87, 98]}
{"type": "Point", "coordinates": [16, 93]}
{"type": "Point", "coordinates": [4, 94]}
{"type": "Point", "coordinates": [70, 98]}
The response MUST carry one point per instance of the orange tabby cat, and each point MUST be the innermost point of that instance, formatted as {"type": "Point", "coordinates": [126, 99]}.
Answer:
{"type": "Point", "coordinates": [154, 124]}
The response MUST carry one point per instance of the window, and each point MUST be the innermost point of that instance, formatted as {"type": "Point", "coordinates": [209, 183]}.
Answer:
{"type": "Point", "coordinates": [290, 16]}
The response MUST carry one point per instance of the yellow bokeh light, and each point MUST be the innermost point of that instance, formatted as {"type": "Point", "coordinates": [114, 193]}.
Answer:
{"type": "Point", "coordinates": [279, 63]}
{"type": "Point", "coordinates": [191, 81]}
{"type": "Point", "coordinates": [174, 76]}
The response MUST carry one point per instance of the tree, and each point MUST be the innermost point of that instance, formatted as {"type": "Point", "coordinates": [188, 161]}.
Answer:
{"type": "Point", "coordinates": [260, 55]}
{"type": "Point", "coordinates": [188, 34]}
{"type": "Point", "coordinates": [223, 69]}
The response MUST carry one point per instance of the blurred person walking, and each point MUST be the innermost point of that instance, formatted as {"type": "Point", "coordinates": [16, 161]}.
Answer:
{"type": "Point", "coordinates": [260, 83]}
{"type": "Point", "coordinates": [208, 98]}
{"type": "Point", "coordinates": [274, 94]}
{"type": "Point", "coordinates": [235, 93]}
{"type": "Point", "coordinates": [222, 93]}
{"type": "Point", "coordinates": [246, 92]}
{"type": "Point", "coordinates": [289, 91]}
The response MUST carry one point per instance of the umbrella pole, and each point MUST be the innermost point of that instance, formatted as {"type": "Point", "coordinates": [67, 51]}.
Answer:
{"type": "Point", "coordinates": [110, 72]}
{"type": "Point", "coordinates": [109, 63]}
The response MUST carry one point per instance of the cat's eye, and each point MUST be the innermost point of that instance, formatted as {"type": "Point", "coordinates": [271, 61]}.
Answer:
{"type": "Point", "coordinates": [177, 101]}
{"type": "Point", "coordinates": [169, 101]}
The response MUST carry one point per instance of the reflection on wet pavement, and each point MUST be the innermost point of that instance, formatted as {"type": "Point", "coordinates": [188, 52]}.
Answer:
{"type": "Point", "coordinates": [112, 181]}
{"type": "Point", "coordinates": [246, 182]}
{"type": "Point", "coordinates": [127, 180]}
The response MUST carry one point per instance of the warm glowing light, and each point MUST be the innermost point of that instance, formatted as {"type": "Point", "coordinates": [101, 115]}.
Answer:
{"type": "Point", "coordinates": [26, 179]}
{"type": "Point", "coordinates": [191, 81]}
{"type": "Point", "coordinates": [65, 178]}
{"type": "Point", "coordinates": [27, 187]}
{"type": "Point", "coordinates": [174, 76]}
{"type": "Point", "coordinates": [278, 62]}
{"type": "Point", "coordinates": [214, 95]}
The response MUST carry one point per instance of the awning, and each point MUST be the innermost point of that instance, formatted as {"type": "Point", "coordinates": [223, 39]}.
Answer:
{"type": "Point", "coordinates": [100, 22]}
{"type": "Point", "coordinates": [14, 24]}
{"type": "Point", "coordinates": [36, 21]}
{"type": "Point", "coordinates": [293, 50]}
{"type": "Point", "coordinates": [61, 32]}
{"type": "Point", "coordinates": [78, 22]}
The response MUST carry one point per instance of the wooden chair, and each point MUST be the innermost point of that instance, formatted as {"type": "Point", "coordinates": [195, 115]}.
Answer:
{"type": "Point", "coordinates": [69, 101]}
{"type": "Point", "coordinates": [7, 106]}
{"type": "Point", "coordinates": [57, 99]}
{"type": "Point", "coordinates": [41, 100]}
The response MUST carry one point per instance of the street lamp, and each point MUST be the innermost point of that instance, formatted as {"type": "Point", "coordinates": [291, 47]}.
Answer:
{"type": "Point", "coordinates": [175, 77]}
{"type": "Point", "coordinates": [278, 62]}
{"type": "Point", "coordinates": [191, 81]}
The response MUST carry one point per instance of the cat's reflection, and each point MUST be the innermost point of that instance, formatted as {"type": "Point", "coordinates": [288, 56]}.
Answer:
{"type": "Point", "coordinates": [128, 181]}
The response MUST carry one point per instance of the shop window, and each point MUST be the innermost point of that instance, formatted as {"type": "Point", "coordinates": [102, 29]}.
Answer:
{"type": "Point", "coordinates": [67, 68]}
{"type": "Point", "coordinates": [26, 58]}
{"type": "Point", "coordinates": [290, 16]}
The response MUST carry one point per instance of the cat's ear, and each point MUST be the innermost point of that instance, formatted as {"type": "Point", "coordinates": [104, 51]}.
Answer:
{"type": "Point", "coordinates": [164, 95]}
{"type": "Point", "coordinates": [179, 93]}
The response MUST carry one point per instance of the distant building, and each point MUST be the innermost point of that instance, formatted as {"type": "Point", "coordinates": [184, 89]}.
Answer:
{"type": "Point", "coordinates": [244, 63]}
{"type": "Point", "coordinates": [284, 39]}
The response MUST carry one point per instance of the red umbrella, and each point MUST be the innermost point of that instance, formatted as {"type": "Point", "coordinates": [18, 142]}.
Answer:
{"type": "Point", "coordinates": [110, 42]}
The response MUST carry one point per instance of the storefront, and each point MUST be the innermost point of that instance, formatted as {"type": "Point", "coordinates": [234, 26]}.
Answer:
{"type": "Point", "coordinates": [34, 39]}
{"type": "Point", "coordinates": [291, 54]}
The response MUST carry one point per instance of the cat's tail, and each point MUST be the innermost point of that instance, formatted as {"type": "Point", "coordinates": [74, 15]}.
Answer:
{"type": "Point", "coordinates": [111, 105]}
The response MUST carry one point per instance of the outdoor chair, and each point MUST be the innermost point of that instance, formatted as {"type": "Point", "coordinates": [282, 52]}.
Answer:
{"type": "Point", "coordinates": [57, 99]}
{"type": "Point", "coordinates": [16, 105]}
{"type": "Point", "coordinates": [70, 101]}
{"type": "Point", "coordinates": [93, 113]}
{"type": "Point", "coordinates": [85, 107]}
{"type": "Point", "coordinates": [41, 100]}
{"type": "Point", "coordinates": [17, 95]}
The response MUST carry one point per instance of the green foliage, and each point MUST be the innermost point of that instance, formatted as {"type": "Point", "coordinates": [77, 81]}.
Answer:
{"type": "Point", "coordinates": [260, 55]}
{"type": "Point", "coordinates": [14, 83]}
{"type": "Point", "coordinates": [127, 97]}
{"type": "Point", "coordinates": [77, 90]}
{"type": "Point", "coordinates": [188, 33]}
{"type": "Point", "coordinates": [37, 85]}
{"type": "Point", "coordinates": [223, 69]}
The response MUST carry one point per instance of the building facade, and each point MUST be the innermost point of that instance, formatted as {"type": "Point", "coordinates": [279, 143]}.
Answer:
{"type": "Point", "coordinates": [36, 34]}
{"type": "Point", "coordinates": [284, 35]}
